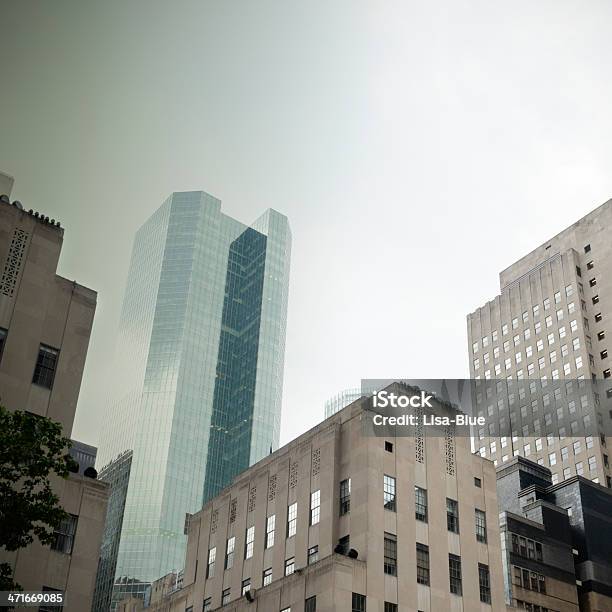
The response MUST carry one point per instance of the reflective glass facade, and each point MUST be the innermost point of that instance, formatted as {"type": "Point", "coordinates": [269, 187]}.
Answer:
{"type": "Point", "coordinates": [198, 372]}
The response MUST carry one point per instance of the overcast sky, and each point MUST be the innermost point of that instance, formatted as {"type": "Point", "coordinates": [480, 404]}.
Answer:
{"type": "Point", "coordinates": [417, 148]}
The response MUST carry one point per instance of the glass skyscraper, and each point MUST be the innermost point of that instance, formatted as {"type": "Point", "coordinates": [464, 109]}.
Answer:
{"type": "Point", "coordinates": [198, 371]}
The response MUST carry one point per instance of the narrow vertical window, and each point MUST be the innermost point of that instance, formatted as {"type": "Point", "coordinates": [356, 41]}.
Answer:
{"type": "Point", "coordinates": [484, 582]}
{"type": "Point", "coordinates": [454, 574]}
{"type": "Point", "coordinates": [389, 492]}
{"type": "Point", "coordinates": [345, 496]}
{"type": "Point", "coordinates": [422, 559]}
{"type": "Point", "coordinates": [210, 568]}
{"type": "Point", "coordinates": [481, 525]}
{"type": "Point", "coordinates": [249, 542]}
{"type": "Point", "coordinates": [315, 507]}
{"type": "Point", "coordinates": [452, 515]}
{"type": "Point", "coordinates": [270, 528]}
{"type": "Point", "coordinates": [420, 504]}
{"type": "Point", "coordinates": [229, 552]}
{"type": "Point", "coordinates": [46, 363]}
{"type": "Point", "coordinates": [291, 519]}
{"type": "Point", "coordinates": [390, 554]}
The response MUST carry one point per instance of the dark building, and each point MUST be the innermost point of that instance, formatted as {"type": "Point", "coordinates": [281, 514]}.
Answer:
{"type": "Point", "coordinates": [556, 540]}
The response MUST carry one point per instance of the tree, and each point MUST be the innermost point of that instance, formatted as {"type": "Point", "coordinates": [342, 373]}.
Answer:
{"type": "Point", "coordinates": [32, 448]}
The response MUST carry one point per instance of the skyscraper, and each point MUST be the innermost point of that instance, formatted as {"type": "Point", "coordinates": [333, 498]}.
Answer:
{"type": "Point", "coordinates": [198, 373]}
{"type": "Point", "coordinates": [549, 328]}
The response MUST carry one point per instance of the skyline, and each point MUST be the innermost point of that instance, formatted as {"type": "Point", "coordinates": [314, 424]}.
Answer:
{"type": "Point", "coordinates": [335, 166]}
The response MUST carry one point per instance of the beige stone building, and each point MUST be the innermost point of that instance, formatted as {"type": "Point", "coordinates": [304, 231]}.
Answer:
{"type": "Point", "coordinates": [551, 322]}
{"type": "Point", "coordinates": [342, 520]}
{"type": "Point", "coordinates": [45, 324]}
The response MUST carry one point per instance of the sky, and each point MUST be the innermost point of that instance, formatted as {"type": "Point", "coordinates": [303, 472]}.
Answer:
{"type": "Point", "coordinates": [417, 148]}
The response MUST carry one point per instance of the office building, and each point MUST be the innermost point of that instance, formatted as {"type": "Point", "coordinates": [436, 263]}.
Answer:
{"type": "Point", "coordinates": [45, 324]}
{"type": "Point", "coordinates": [556, 540]}
{"type": "Point", "coordinates": [342, 520]}
{"type": "Point", "coordinates": [548, 331]}
{"type": "Point", "coordinates": [198, 374]}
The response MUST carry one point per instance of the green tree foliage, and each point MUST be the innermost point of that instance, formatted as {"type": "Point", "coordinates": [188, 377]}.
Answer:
{"type": "Point", "coordinates": [32, 448]}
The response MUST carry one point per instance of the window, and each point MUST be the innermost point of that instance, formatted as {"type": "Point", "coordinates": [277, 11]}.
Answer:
{"type": "Point", "coordinates": [481, 525]}
{"type": "Point", "coordinates": [595, 299]}
{"type": "Point", "coordinates": [587, 248]}
{"type": "Point", "coordinates": [210, 568]}
{"type": "Point", "coordinates": [478, 482]}
{"type": "Point", "coordinates": [389, 492]}
{"type": "Point", "coordinates": [267, 576]}
{"type": "Point", "coordinates": [229, 552]}
{"type": "Point", "coordinates": [388, 446]}
{"type": "Point", "coordinates": [50, 607]}
{"type": "Point", "coordinates": [345, 496]}
{"type": "Point", "coordinates": [46, 363]}
{"type": "Point", "coordinates": [454, 574]}
{"type": "Point", "coordinates": [452, 515]}
{"type": "Point", "coordinates": [359, 603]}
{"type": "Point", "coordinates": [598, 317]}
{"type": "Point", "coordinates": [64, 535]}
{"type": "Point", "coordinates": [422, 562]}
{"type": "Point", "coordinates": [528, 580]}
{"type": "Point", "coordinates": [530, 549]}
{"type": "Point", "coordinates": [315, 507]}
{"type": "Point", "coordinates": [552, 459]}
{"type": "Point", "coordinates": [207, 605]}
{"type": "Point", "coordinates": [601, 335]}
{"type": "Point", "coordinates": [592, 282]}
{"type": "Point", "coordinates": [246, 585]}
{"type": "Point", "coordinates": [225, 596]}
{"type": "Point", "coordinates": [390, 554]}
{"type": "Point", "coordinates": [390, 607]}
{"type": "Point", "coordinates": [289, 566]}
{"type": "Point", "coordinates": [484, 582]}
{"type": "Point", "coordinates": [420, 504]}
{"type": "Point", "coordinates": [291, 519]}
{"type": "Point", "coordinates": [270, 528]}
{"type": "Point", "coordinates": [313, 554]}
{"type": "Point", "coordinates": [286, 609]}
{"type": "Point", "coordinates": [3, 333]}
{"type": "Point", "coordinates": [310, 605]}
{"type": "Point", "coordinates": [249, 542]}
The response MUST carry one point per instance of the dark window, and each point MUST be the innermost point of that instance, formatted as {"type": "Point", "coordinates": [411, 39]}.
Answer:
{"type": "Point", "coordinates": [50, 607]}
{"type": "Point", "coordinates": [210, 568]}
{"type": "Point", "coordinates": [477, 482]}
{"type": "Point", "coordinates": [452, 515]}
{"type": "Point", "coordinates": [310, 605]}
{"type": "Point", "coordinates": [246, 585]}
{"type": "Point", "coordinates": [390, 561]}
{"type": "Point", "coordinates": [388, 446]}
{"type": "Point", "coordinates": [454, 574]}
{"type": "Point", "coordinates": [64, 535]}
{"type": "Point", "coordinates": [593, 282]}
{"type": "Point", "coordinates": [345, 496]}
{"type": "Point", "coordinates": [207, 605]}
{"type": "Point", "coordinates": [344, 544]}
{"type": "Point", "coordinates": [595, 299]}
{"type": "Point", "coordinates": [587, 248]}
{"type": "Point", "coordinates": [604, 354]}
{"type": "Point", "coordinates": [420, 504]}
{"type": "Point", "coordinates": [3, 333]}
{"type": "Point", "coordinates": [229, 552]}
{"type": "Point", "coordinates": [389, 492]}
{"type": "Point", "coordinates": [390, 607]}
{"type": "Point", "coordinates": [44, 371]}
{"type": "Point", "coordinates": [481, 525]}
{"type": "Point", "coordinates": [590, 265]}
{"type": "Point", "coordinates": [607, 373]}
{"type": "Point", "coordinates": [598, 317]}
{"type": "Point", "coordinates": [359, 603]}
{"type": "Point", "coordinates": [484, 582]}
{"type": "Point", "coordinates": [313, 554]}
{"type": "Point", "coordinates": [578, 271]}
{"type": "Point", "coordinates": [601, 335]}
{"type": "Point", "coordinates": [422, 561]}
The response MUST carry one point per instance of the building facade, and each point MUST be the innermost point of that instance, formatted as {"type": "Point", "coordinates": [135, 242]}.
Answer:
{"type": "Point", "coordinates": [550, 326]}
{"type": "Point", "coordinates": [199, 370]}
{"type": "Point", "coordinates": [45, 324]}
{"type": "Point", "coordinates": [342, 520]}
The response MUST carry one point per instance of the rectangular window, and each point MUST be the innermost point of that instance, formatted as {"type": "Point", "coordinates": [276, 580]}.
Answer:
{"type": "Point", "coordinates": [64, 535]}
{"type": "Point", "coordinates": [358, 603]}
{"type": "Point", "coordinates": [207, 605]}
{"type": "Point", "coordinates": [452, 515]}
{"type": "Point", "coordinates": [420, 504]}
{"type": "Point", "coordinates": [210, 568]}
{"type": "Point", "coordinates": [390, 607]}
{"type": "Point", "coordinates": [390, 552]}
{"type": "Point", "coordinates": [3, 333]}
{"type": "Point", "coordinates": [267, 576]}
{"type": "Point", "coordinates": [246, 585]}
{"type": "Point", "coordinates": [291, 519]}
{"type": "Point", "coordinates": [315, 507]}
{"type": "Point", "coordinates": [389, 492]}
{"type": "Point", "coordinates": [270, 527]}
{"type": "Point", "coordinates": [481, 525]}
{"type": "Point", "coordinates": [50, 607]}
{"type": "Point", "coordinates": [310, 605]}
{"type": "Point", "coordinates": [345, 496]}
{"type": "Point", "coordinates": [484, 582]}
{"type": "Point", "coordinates": [46, 363]}
{"type": "Point", "coordinates": [229, 552]}
{"type": "Point", "coordinates": [225, 596]}
{"type": "Point", "coordinates": [313, 554]}
{"type": "Point", "coordinates": [454, 574]}
{"type": "Point", "coordinates": [249, 542]}
{"type": "Point", "coordinates": [289, 566]}
{"type": "Point", "coordinates": [422, 563]}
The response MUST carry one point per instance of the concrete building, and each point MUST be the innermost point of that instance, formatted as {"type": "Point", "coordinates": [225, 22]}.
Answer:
{"type": "Point", "coordinates": [45, 324]}
{"type": "Point", "coordinates": [199, 371]}
{"type": "Point", "coordinates": [551, 325]}
{"type": "Point", "coordinates": [556, 539]}
{"type": "Point", "coordinates": [342, 520]}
